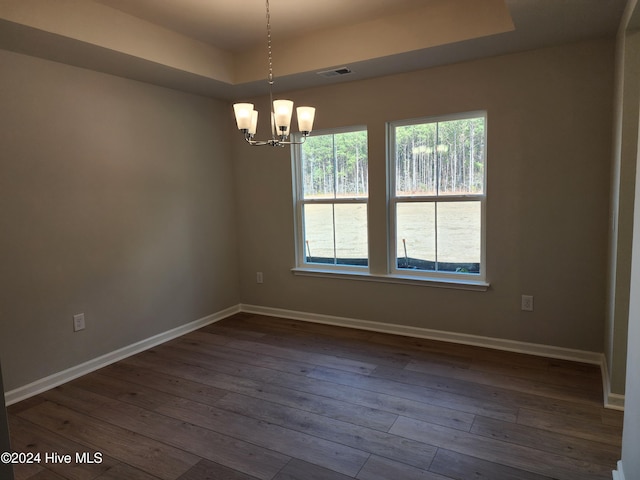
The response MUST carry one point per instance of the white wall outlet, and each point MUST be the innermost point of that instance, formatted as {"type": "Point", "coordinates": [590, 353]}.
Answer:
{"type": "Point", "coordinates": [527, 303]}
{"type": "Point", "coordinates": [78, 322]}
{"type": "Point", "coordinates": [259, 278]}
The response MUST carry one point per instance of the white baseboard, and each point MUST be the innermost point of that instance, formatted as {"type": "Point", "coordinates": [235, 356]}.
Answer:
{"type": "Point", "coordinates": [52, 381]}
{"type": "Point", "coordinates": [619, 473]}
{"type": "Point", "coordinates": [613, 401]}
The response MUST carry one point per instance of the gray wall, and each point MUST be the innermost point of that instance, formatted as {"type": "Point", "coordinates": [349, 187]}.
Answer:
{"type": "Point", "coordinates": [127, 202]}
{"type": "Point", "coordinates": [549, 141]}
{"type": "Point", "coordinates": [117, 202]}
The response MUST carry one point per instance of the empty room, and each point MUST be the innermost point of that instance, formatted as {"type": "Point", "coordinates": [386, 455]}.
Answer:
{"type": "Point", "coordinates": [278, 240]}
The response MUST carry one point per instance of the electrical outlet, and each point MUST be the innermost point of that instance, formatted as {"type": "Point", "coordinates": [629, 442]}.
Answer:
{"type": "Point", "coordinates": [259, 278]}
{"type": "Point", "coordinates": [78, 322]}
{"type": "Point", "coordinates": [527, 303]}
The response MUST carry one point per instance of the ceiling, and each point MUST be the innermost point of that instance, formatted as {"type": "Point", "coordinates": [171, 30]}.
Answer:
{"type": "Point", "coordinates": [219, 47]}
{"type": "Point", "coordinates": [225, 25]}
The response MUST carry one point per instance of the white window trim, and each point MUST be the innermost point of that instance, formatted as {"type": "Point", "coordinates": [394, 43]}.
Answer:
{"type": "Point", "coordinates": [423, 280]}
{"type": "Point", "coordinates": [393, 276]}
{"type": "Point", "coordinates": [300, 201]}
{"type": "Point", "coordinates": [392, 201]}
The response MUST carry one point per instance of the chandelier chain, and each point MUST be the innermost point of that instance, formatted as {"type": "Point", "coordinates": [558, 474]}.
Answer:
{"type": "Point", "coordinates": [269, 44]}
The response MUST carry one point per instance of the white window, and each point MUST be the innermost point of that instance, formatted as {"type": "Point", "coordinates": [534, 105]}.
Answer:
{"type": "Point", "coordinates": [331, 189]}
{"type": "Point", "coordinates": [437, 196]}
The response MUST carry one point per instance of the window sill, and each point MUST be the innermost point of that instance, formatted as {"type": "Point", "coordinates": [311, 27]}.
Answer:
{"type": "Point", "coordinates": [424, 281]}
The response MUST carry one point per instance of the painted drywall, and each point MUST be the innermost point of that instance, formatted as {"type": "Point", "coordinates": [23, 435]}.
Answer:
{"type": "Point", "coordinates": [630, 463]}
{"type": "Point", "coordinates": [116, 202]}
{"type": "Point", "coordinates": [629, 466]}
{"type": "Point", "coordinates": [548, 157]}
{"type": "Point", "coordinates": [625, 143]}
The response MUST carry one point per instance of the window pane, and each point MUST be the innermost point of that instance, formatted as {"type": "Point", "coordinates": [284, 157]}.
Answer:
{"type": "Point", "coordinates": [416, 155]}
{"type": "Point", "coordinates": [450, 244]}
{"type": "Point", "coordinates": [351, 164]}
{"type": "Point", "coordinates": [336, 234]}
{"type": "Point", "coordinates": [440, 158]}
{"type": "Point", "coordinates": [335, 165]}
{"type": "Point", "coordinates": [317, 167]}
{"type": "Point", "coordinates": [415, 235]}
{"type": "Point", "coordinates": [459, 227]}
{"type": "Point", "coordinates": [461, 156]}
{"type": "Point", "coordinates": [318, 234]}
{"type": "Point", "coordinates": [351, 234]}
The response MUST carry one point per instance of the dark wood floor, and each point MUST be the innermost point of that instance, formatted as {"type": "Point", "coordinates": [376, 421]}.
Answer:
{"type": "Point", "coordinates": [255, 397]}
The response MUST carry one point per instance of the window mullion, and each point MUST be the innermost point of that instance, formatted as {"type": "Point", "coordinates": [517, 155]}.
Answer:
{"type": "Point", "coordinates": [335, 196]}
{"type": "Point", "coordinates": [435, 223]}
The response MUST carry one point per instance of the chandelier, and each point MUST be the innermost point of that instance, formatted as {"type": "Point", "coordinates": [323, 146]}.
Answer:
{"type": "Point", "coordinates": [281, 112]}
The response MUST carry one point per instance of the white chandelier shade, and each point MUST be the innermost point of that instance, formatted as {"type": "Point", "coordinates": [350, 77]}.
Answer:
{"type": "Point", "coordinates": [281, 112]}
{"type": "Point", "coordinates": [247, 120]}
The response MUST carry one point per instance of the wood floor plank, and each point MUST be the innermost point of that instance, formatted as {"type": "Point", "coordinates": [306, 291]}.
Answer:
{"type": "Point", "coordinates": [458, 466]}
{"type": "Point", "coordinates": [206, 470]}
{"type": "Point", "coordinates": [16, 408]}
{"type": "Point", "coordinates": [324, 401]}
{"type": "Point", "coordinates": [379, 468]}
{"type": "Point", "coordinates": [29, 437]}
{"type": "Point", "coordinates": [122, 471]}
{"type": "Point", "coordinates": [353, 349]}
{"type": "Point", "coordinates": [516, 383]}
{"type": "Point", "coordinates": [414, 453]}
{"type": "Point", "coordinates": [122, 390]}
{"type": "Point", "coordinates": [329, 361]}
{"type": "Point", "coordinates": [496, 451]}
{"type": "Point", "coordinates": [300, 470]}
{"type": "Point", "coordinates": [161, 460]}
{"type": "Point", "coordinates": [597, 451]}
{"type": "Point", "coordinates": [614, 418]}
{"type": "Point", "coordinates": [570, 426]}
{"type": "Point", "coordinates": [241, 454]}
{"type": "Point", "coordinates": [432, 396]}
{"type": "Point", "coordinates": [46, 475]}
{"type": "Point", "coordinates": [26, 471]}
{"type": "Point", "coordinates": [328, 454]}
{"type": "Point", "coordinates": [236, 376]}
{"type": "Point", "coordinates": [248, 357]}
{"type": "Point", "coordinates": [162, 382]}
{"type": "Point", "coordinates": [266, 366]}
{"type": "Point", "coordinates": [582, 380]}
{"type": "Point", "coordinates": [193, 372]}
{"type": "Point", "coordinates": [505, 397]}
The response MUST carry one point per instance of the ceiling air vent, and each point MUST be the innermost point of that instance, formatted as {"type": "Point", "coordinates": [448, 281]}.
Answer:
{"type": "Point", "coordinates": [335, 72]}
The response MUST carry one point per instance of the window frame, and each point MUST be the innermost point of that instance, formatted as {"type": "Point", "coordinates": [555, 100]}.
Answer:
{"type": "Point", "coordinates": [299, 203]}
{"type": "Point", "coordinates": [393, 200]}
